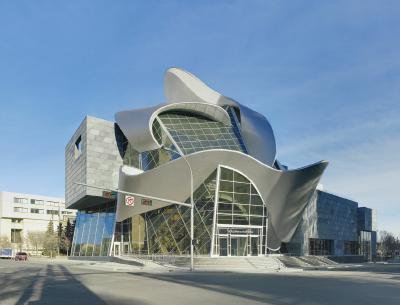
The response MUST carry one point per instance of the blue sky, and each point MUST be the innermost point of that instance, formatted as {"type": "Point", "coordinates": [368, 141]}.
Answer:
{"type": "Point", "coordinates": [325, 73]}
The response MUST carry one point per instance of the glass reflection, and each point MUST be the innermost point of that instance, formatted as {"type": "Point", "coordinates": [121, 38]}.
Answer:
{"type": "Point", "coordinates": [94, 229]}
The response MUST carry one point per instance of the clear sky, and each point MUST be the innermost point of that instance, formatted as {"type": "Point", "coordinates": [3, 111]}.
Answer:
{"type": "Point", "coordinates": [325, 73]}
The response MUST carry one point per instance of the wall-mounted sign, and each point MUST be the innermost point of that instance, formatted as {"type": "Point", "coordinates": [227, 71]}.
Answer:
{"type": "Point", "coordinates": [147, 202]}
{"type": "Point", "coordinates": [129, 201]}
{"type": "Point", "coordinates": [239, 231]}
{"type": "Point", "coordinates": [109, 194]}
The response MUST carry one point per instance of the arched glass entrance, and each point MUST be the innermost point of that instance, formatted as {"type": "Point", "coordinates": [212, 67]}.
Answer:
{"type": "Point", "coordinates": [240, 216]}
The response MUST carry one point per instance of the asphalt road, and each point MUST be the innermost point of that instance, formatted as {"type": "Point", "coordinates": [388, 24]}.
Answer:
{"type": "Point", "coordinates": [63, 282]}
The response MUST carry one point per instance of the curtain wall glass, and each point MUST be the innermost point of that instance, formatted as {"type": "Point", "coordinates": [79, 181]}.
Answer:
{"type": "Point", "coordinates": [241, 216]}
{"type": "Point", "coordinates": [193, 132]}
{"type": "Point", "coordinates": [168, 229]}
{"type": "Point", "coordinates": [94, 229]}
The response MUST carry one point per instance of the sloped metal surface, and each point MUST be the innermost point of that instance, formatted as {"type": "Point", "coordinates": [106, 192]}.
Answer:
{"type": "Point", "coordinates": [182, 86]}
{"type": "Point", "coordinates": [137, 124]}
{"type": "Point", "coordinates": [285, 193]}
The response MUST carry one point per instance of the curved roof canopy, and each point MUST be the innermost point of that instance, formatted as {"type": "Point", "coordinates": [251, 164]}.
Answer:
{"type": "Point", "coordinates": [137, 124]}
{"type": "Point", "coordinates": [258, 136]}
{"type": "Point", "coordinates": [183, 91]}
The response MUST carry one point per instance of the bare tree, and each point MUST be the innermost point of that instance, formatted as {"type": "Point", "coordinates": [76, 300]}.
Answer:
{"type": "Point", "coordinates": [36, 239]}
{"type": "Point", "coordinates": [51, 245]}
{"type": "Point", "coordinates": [5, 242]}
{"type": "Point", "coordinates": [388, 243]}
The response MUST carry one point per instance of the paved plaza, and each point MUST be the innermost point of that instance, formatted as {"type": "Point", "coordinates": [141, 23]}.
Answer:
{"type": "Point", "coordinates": [61, 282]}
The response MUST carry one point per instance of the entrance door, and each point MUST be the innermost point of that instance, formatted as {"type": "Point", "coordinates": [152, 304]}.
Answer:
{"type": "Point", "coordinates": [238, 245]}
{"type": "Point", "coordinates": [254, 243]}
{"type": "Point", "coordinates": [223, 246]}
{"type": "Point", "coordinates": [116, 250]}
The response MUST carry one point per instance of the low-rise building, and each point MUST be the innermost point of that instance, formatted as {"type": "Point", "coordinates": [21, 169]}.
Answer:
{"type": "Point", "coordinates": [335, 226]}
{"type": "Point", "coordinates": [24, 213]}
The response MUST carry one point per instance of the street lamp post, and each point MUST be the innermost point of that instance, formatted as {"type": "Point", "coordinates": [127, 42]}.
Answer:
{"type": "Point", "coordinates": [191, 206]}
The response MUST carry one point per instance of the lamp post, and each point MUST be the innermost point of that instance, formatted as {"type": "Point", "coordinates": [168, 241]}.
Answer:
{"type": "Point", "coordinates": [191, 206]}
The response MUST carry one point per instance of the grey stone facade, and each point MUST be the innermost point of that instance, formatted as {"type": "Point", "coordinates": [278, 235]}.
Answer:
{"type": "Point", "coordinates": [96, 162]}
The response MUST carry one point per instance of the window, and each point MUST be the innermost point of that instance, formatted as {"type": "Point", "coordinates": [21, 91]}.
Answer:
{"type": "Point", "coordinates": [52, 212]}
{"type": "Point", "coordinates": [239, 201]}
{"type": "Point", "coordinates": [78, 147]}
{"type": "Point", "coordinates": [21, 210]}
{"type": "Point", "coordinates": [350, 247]}
{"type": "Point", "coordinates": [36, 201]}
{"type": "Point", "coordinates": [37, 211]}
{"type": "Point", "coordinates": [20, 200]}
{"type": "Point", "coordinates": [193, 132]}
{"type": "Point", "coordinates": [52, 203]}
{"type": "Point", "coordinates": [321, 246]}
{"type": "Point", "coordinates": [94, 230]}
{"type": "Point", "coordinates": [16, 220]}
{"type": "Point", "coordinates": [16, 236]}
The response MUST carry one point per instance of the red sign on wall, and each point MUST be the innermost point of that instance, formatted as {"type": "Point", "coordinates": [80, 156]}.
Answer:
{"type": "Point", "coordinates": [129, 201]}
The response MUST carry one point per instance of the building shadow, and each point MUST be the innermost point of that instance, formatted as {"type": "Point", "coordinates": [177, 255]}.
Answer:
{"type": "Point", "coordinates": [288, 289]}
{"type": "Point", "coordinates": [56, 285]}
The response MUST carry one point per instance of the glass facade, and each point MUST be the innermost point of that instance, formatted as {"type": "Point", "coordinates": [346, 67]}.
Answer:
{"type": "Point", "coordinates": [94, 229]}
{"type": "Point", "coordinates": [154, 158]}
{"type": "Point", "coordinates": [365, 244]}
{"type": "Point", "coordinates": [148, 159]}
{"type": "Point", "coordinates": [350, 247]}
{"type": "Point", "coordinates": [190, 131]}
{"type": "Point", "coordinates": [193, 132]}
{"type": "Point", "coordinates": [321, 246]}
{"type": "Point", "coordinates": [240, 217]}
{"type": "Point", "coordinates": [168, 229]}
{"type": "Point", "coordinates": [239, 228]}
{"type": "Point", "coordinates": [238, 201]}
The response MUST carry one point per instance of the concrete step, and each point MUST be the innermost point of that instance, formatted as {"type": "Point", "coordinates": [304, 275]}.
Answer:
{"type": "Point", "coordinates": [268, 263]}
{"type": "Point", "coordinates": [305, 261]}
{"type": "Point", "coordinates": [230, 263]}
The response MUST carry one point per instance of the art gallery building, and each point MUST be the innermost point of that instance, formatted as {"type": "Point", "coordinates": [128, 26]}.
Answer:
{"type": "Point", "coordinates": [132, 179]}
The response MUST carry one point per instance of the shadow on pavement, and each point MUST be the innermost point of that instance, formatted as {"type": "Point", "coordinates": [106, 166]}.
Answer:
{"type": "Point", "coordinates": [56, 285]}
{"type": "Point", "coordinates": [286, 288]}
{"type": "Point", "coordinates": [11, 283]}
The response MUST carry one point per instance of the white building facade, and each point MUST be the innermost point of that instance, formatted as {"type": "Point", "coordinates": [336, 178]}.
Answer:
{"type": "Point", "coordinates": [24, 213]}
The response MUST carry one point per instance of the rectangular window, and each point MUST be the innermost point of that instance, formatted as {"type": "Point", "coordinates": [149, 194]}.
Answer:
{"type": "Point", "coordinates": [78, 147]}
{"type": "Point", "coordinates": [37, 211]}
{"type": "Point", "coordinates": [321, 246]}
{"type": "Point", "coordinates": [37, 201]}
{"type": "Point", "coordinates": [16, 236]}
{"type": "Point", "coordinates": [351, 247]}
{"type": "Point", "coordinates": [16, 220]}
{"type": "Point", "coordinates": [20, 200]}
{"type": "Point", "coordinates": [21, 210]}
{"type": "Point", "coordinates": [52, 212]}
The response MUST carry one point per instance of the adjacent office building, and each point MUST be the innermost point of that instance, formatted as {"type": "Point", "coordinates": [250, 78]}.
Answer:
{"type": "Point", "coordinates": [24, 213]}
{"type": "Point", "coordinates": [334, 226]}
{"type": "Point", "coordinates": [133, 181]}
